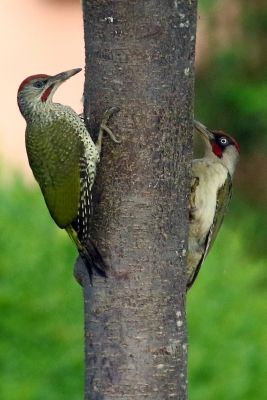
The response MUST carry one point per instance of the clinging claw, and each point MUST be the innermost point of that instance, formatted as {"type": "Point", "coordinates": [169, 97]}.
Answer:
{"type": "Point", "coordinates": [104, 127]}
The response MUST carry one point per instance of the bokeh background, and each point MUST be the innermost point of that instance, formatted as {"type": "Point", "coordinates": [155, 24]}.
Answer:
{"type": "Point", "coordinates": [41, 310]}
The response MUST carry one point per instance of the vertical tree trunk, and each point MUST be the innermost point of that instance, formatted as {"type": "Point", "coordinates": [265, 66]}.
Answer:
{"type": "Point", "coordinates": [140, 58]}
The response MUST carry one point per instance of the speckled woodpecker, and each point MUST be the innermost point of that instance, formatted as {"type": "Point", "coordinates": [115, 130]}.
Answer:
{"type": "Point", "coordinates": [63, 160]}
{"type": "Point", "coordinates": [211, 192]}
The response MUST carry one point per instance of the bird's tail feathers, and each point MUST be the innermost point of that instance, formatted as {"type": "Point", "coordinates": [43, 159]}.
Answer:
{"type": "Point", "coordinates": [93, 259]}
{"type": "Point", "coordinates": [89, 254]}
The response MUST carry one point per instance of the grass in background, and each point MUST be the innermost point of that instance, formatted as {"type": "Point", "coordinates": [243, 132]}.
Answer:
{"type": "Point", "coordinates": [227, 313]}
{"type": "Point", "coordinates": [41, 305]}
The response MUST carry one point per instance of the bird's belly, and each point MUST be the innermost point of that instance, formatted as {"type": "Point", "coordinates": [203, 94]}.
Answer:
{"type": "Point", "coordinates": [203, 218]}
{"type": "Point", "coordinates": [204, 198]}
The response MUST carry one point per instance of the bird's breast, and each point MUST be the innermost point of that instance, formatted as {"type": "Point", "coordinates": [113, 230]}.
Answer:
{"type": "Point", "coordinates": [210, 178]}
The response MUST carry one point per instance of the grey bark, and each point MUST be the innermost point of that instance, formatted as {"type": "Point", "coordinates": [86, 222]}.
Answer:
{"type": "Point", "coordinates": [140, 58]}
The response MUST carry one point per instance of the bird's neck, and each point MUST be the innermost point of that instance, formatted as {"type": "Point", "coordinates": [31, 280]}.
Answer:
{"type": "Point", "coordinates": [35, 112]}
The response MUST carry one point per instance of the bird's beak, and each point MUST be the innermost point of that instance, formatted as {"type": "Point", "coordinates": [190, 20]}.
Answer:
{"type": "Point", "coordinates": [63, 76]}
{"type": "Point", "coordinates": [204, 132]}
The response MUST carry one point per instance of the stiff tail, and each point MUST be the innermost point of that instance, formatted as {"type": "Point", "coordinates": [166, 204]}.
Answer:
{"type": "Point", "coordinates": [93, 259]}
{"type": "Point", "coordinates": [89, 254]}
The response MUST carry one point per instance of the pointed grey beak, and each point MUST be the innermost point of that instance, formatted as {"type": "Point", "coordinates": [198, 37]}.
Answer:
{"type": "Point", "coordinates": [204, 132]}
{"type": "Point", "coordinates": [63, 76]}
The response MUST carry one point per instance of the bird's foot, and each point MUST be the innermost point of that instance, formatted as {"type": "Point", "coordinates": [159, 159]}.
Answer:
{"type": "Point", "coordinates": [104, 128]}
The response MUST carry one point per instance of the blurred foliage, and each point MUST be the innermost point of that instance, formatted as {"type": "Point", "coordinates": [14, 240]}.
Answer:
{"type": "Point", "coordinates": [41, 305]}
{"type": "Point", "coordinates": [227, 306]}
{"type": "Point", "coordinates": [227, 312]}
{"type": "Point", "coordinates": [231, 77]}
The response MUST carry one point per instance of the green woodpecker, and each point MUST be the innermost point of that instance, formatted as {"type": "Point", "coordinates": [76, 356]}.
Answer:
{"type": "Point", "coordinates": [211, 191]}
{"type": "Point", "coordinates": [63, 160]}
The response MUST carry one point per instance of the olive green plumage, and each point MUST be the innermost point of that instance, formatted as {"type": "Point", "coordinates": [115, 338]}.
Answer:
{"type": "Point", "coordinates": [54, 154]}
{"type": "Point", "coordinates": [63, 159]}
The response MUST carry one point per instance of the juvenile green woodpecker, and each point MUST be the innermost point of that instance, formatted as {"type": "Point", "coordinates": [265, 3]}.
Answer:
{"type": "Point", "coordinates": [211, 192]}
{"type": "Point", "coordinates": [63, 160]}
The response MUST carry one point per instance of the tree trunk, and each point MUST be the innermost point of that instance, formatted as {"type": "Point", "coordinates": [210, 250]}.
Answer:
{"type": "Point", "coordinates": [140, 58]}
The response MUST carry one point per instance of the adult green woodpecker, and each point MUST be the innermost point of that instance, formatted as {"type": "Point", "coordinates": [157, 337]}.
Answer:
{"type": "Point", "coordinates": [63, 160]}
{"type": "Point", "coordinates": [211, 192]}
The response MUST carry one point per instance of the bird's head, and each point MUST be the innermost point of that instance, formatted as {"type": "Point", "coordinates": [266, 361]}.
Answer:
{"type": "Point", "coordinates": [219, 147]}
{"type": "Point", "coordinates": [39, 89]}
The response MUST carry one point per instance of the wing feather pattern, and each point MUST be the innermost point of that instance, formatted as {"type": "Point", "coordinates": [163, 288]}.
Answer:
{"type": "Point", "coordinates": [224, 195]}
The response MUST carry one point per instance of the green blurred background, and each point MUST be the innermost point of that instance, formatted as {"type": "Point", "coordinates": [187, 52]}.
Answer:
{"type": "Point", "coordinates": [41, 305]}
{"type": "Point", "coordinates": [227, 306]}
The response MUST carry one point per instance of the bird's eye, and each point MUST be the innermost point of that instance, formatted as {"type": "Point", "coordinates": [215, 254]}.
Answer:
{"type": "Point", "coordinates": [223, 140]}
{"type": "Point", "coordinates": [39, 84]}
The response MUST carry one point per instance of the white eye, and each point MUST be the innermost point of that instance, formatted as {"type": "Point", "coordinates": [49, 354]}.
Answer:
{"type": "Point", "coordinates": [223, 140]}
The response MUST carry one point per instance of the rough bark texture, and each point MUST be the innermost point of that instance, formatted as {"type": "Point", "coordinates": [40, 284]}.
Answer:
{"type": "Point", "coordinates": [140, 58]}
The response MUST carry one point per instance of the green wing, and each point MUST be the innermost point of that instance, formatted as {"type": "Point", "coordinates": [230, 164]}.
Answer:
{"type": "Point", "coordinates": [62, 200]}
{"type": "Point", "coordinates": [54, 153]}
{"type": "Point", "coordinates": [224, 196]}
